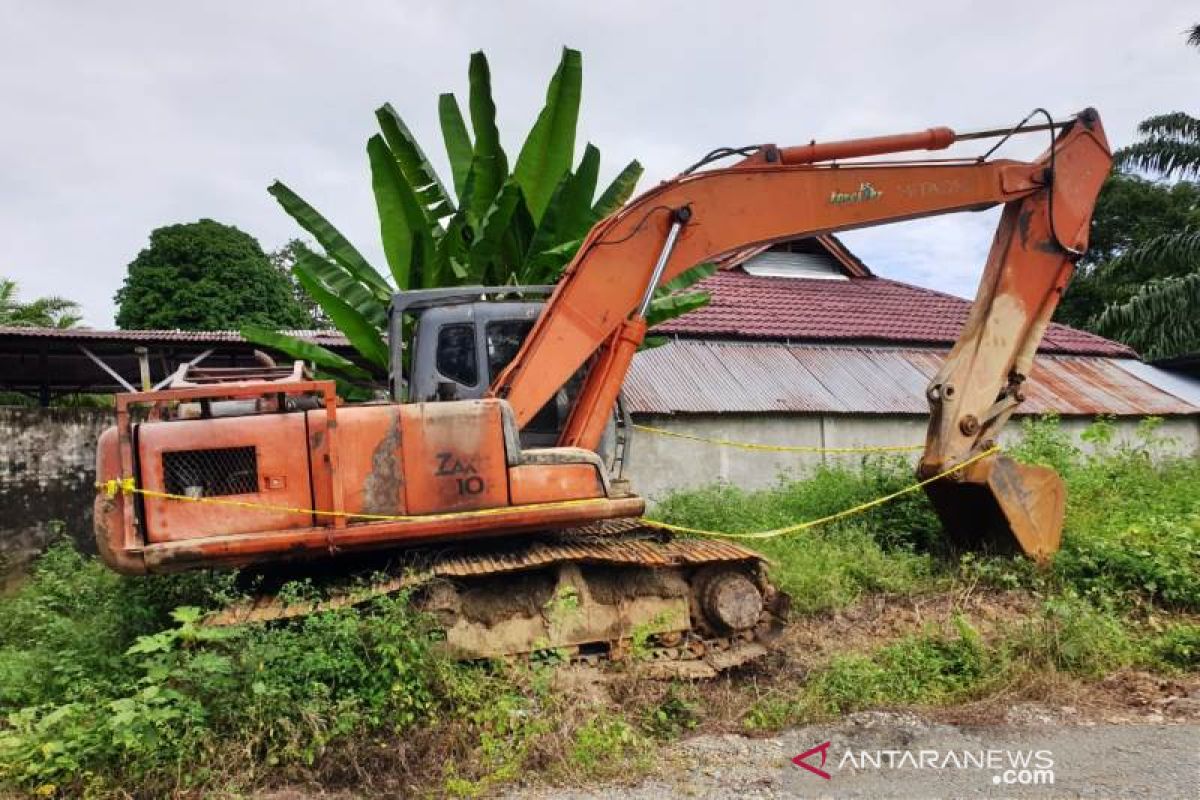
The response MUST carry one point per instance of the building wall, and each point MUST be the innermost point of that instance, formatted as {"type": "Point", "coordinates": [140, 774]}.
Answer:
{"type": "Point", "coordinates": [661, 464]}
{"type": "Point", "coordinates": [47, 477]}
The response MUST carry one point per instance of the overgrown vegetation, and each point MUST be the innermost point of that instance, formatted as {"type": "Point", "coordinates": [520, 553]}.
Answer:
{"type": "Point", "coordinates": [108, 684]}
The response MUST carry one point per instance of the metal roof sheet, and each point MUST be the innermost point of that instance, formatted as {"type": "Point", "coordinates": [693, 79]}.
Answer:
{"type": "Point", "coordinates": [718, 377]}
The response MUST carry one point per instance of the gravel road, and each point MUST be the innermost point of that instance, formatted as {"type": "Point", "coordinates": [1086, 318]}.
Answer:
{"type": "Point", "coordinates": [1082, 759]}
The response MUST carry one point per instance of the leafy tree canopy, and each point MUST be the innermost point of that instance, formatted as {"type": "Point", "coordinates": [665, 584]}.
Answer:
{"type": "Point", "coordinates": [1130, 211]}
{"type": "Point", "coordinates": [205, 276]}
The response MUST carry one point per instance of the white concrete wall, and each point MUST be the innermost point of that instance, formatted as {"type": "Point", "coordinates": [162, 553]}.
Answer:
{"type": "Point", "coordinates": [660, 464]}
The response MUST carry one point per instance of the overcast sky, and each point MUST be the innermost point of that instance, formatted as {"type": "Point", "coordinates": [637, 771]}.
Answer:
{"type": "Point", "coordinates": [119, 117]}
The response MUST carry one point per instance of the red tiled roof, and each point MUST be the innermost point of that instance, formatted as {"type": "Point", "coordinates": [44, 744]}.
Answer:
{"type": "Point", "coordinates": [872, 310]}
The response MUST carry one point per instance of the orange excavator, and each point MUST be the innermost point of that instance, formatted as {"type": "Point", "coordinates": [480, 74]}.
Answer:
{"type": "Point", "coordinates": [494, 459]}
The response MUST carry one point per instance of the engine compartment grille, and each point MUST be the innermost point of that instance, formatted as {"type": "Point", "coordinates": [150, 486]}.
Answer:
{"type": "Point", "coordinates": [211, 473]}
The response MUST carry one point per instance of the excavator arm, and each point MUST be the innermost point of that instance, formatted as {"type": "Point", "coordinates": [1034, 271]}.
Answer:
{"type": "Point", "coordinates": [597, 312]}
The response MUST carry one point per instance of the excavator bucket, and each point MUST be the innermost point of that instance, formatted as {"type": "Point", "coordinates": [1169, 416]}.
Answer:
{"type": "Point", "coordinates": [998, 505]}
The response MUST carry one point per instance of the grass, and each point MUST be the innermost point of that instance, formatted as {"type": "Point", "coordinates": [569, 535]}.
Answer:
{"type": "Point", "coordinates": [886, 549]}
{"type": "Point", "coordinates": [108, 686]}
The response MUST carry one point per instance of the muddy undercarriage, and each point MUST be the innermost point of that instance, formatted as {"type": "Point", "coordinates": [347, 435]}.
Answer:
{"type": "Point", "coordinates": [613, 591]}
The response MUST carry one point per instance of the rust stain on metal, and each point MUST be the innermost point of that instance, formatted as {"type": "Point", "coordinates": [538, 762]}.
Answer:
{"type": "Point", "coordinates": [384, 484]}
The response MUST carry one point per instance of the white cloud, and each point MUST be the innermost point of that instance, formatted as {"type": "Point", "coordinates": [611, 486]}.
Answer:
{"type": "Point", "coordinates": [121, 117]}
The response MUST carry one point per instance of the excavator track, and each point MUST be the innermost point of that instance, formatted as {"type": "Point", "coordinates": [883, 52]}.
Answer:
{"type": "Point", "coordinates": [606, 592]}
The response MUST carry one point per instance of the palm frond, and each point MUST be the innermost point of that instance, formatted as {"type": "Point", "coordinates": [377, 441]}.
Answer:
{"type": "Point", "coordinates": [45, 312]}
{"type": "Point", "coordinates": [8, 294]}
{"type": "Point", "coordinates": [1172, 253]}
{"type": "Point", "coordinates": [1163, 156]}
{"type": "Point", "coordinates": [1161, 320]}
{"type": "Point", "coordinates": [1175, 125]}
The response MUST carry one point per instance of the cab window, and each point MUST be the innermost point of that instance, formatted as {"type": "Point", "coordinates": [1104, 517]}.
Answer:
{"type": "Point", "coordinates": [504, 339]}
{"type": "Point", "coordinates": [456, 354]}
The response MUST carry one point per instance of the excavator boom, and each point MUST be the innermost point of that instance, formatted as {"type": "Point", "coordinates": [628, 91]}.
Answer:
{"type": "Point", "coordinates": [597, 310]}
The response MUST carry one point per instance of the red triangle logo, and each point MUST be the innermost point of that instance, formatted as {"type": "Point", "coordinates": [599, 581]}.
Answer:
{"type": "Point", "coordinates": [823, 749]}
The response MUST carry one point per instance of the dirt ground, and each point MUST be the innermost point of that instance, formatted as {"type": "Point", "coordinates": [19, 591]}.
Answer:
{"type": "Point", "coordinates": [1131, 735]}
{"type": "Point", "coordinates": [1081, 758]}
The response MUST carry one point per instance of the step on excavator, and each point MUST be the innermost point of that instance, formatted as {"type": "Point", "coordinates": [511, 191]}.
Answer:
{"type": "Point", "coordinates": [495, 470]}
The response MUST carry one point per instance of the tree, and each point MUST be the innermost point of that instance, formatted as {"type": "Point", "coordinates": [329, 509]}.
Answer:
{"type": "Point", "coordinates": [1130, 210]}
{"type": "Point", "coordinates": [1149, 278]}
{"type": "Point", "coordinates": [487, 225]}
{"type": "Point", "coordinates": [1161, 319]}
{"type": "Point", "coordinates": [283, 261]}
{"type": "Point", "coordinates": [44, 312]}
{"type": "Point", "coordinates": [205, 276]}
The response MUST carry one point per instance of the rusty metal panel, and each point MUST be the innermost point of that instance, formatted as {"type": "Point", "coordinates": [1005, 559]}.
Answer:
{"type": "Point", "coordinates": [713, 377]}
{"type": "Point", "coordinates": [862, 387]}
{"type": "Point", "coordinates": [1101, 386]}
{"type": "Point", "coordinates": [275, 475]}
{"type": "Point", "coordinates": [778, 381]}
{"type": "Point", "coordinates": [452, 456]}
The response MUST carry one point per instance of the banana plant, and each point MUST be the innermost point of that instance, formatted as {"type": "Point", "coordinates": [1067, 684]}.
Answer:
{"type": "Point", "coordinates": [486, 225]}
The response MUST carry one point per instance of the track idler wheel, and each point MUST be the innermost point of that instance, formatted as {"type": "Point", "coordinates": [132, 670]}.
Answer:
{"type": "Point", "coordinates": [730, 600]}
{"type": "Point", "coordinates": [999, 505]}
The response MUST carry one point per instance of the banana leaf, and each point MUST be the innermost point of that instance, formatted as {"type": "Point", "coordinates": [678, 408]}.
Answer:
{"type": "Point", "coordinates": [575, 205]}
{"type": "Point", "coordinates": [618, 192]}
{"type": "Point", "coordinates": [514, 244]}
{"type": "Point", "coordinates": [675, 305]}
{"type": "Point", "coordinates": [401, 218]}
{"type": "Point", "coordinates": [390, 191]}
{"type": "Point", "coordinates": [459, 149]}
{"type": "Point", "coordinates": [489, 164]}
{"type": "Point", "coordinates": [550, 146]}
{"type": "Point", "coordinates": [686, 278]}
{"type": "Point", "coordinates": [364, 337]}
{"type": "Point", "coordinates": [486, 246]}
{"type": "Point", "coordinates": [540, 265]}
{"type": "Point", "coordinates": [345, 286]}
{"type": "Point", "coordinates": [451, 253]}
{"type": "Point", "coordinates": [417, 170]}
{"type": "Point", "coordinates": [305, 351]}
{"type": "Point", "coordinates": [330, 238]}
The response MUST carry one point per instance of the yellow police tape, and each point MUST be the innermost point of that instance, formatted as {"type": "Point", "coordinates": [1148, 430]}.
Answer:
{"type": "Point", "coordinates": [782, 448]}
{"type": "Point", "coordinates": [127, 486]}
{"type": "Point", "coordinates": [849, 512]}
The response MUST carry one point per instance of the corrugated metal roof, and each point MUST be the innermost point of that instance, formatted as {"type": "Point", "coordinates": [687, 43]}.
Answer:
{"type": "Point", "coordinates": [1166, 376]}
{"type": "Point", "coordinates": [715, 377]}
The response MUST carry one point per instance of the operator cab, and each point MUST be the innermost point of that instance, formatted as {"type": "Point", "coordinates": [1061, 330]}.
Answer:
{"type": "Point", "coordinates": [451, 343]}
